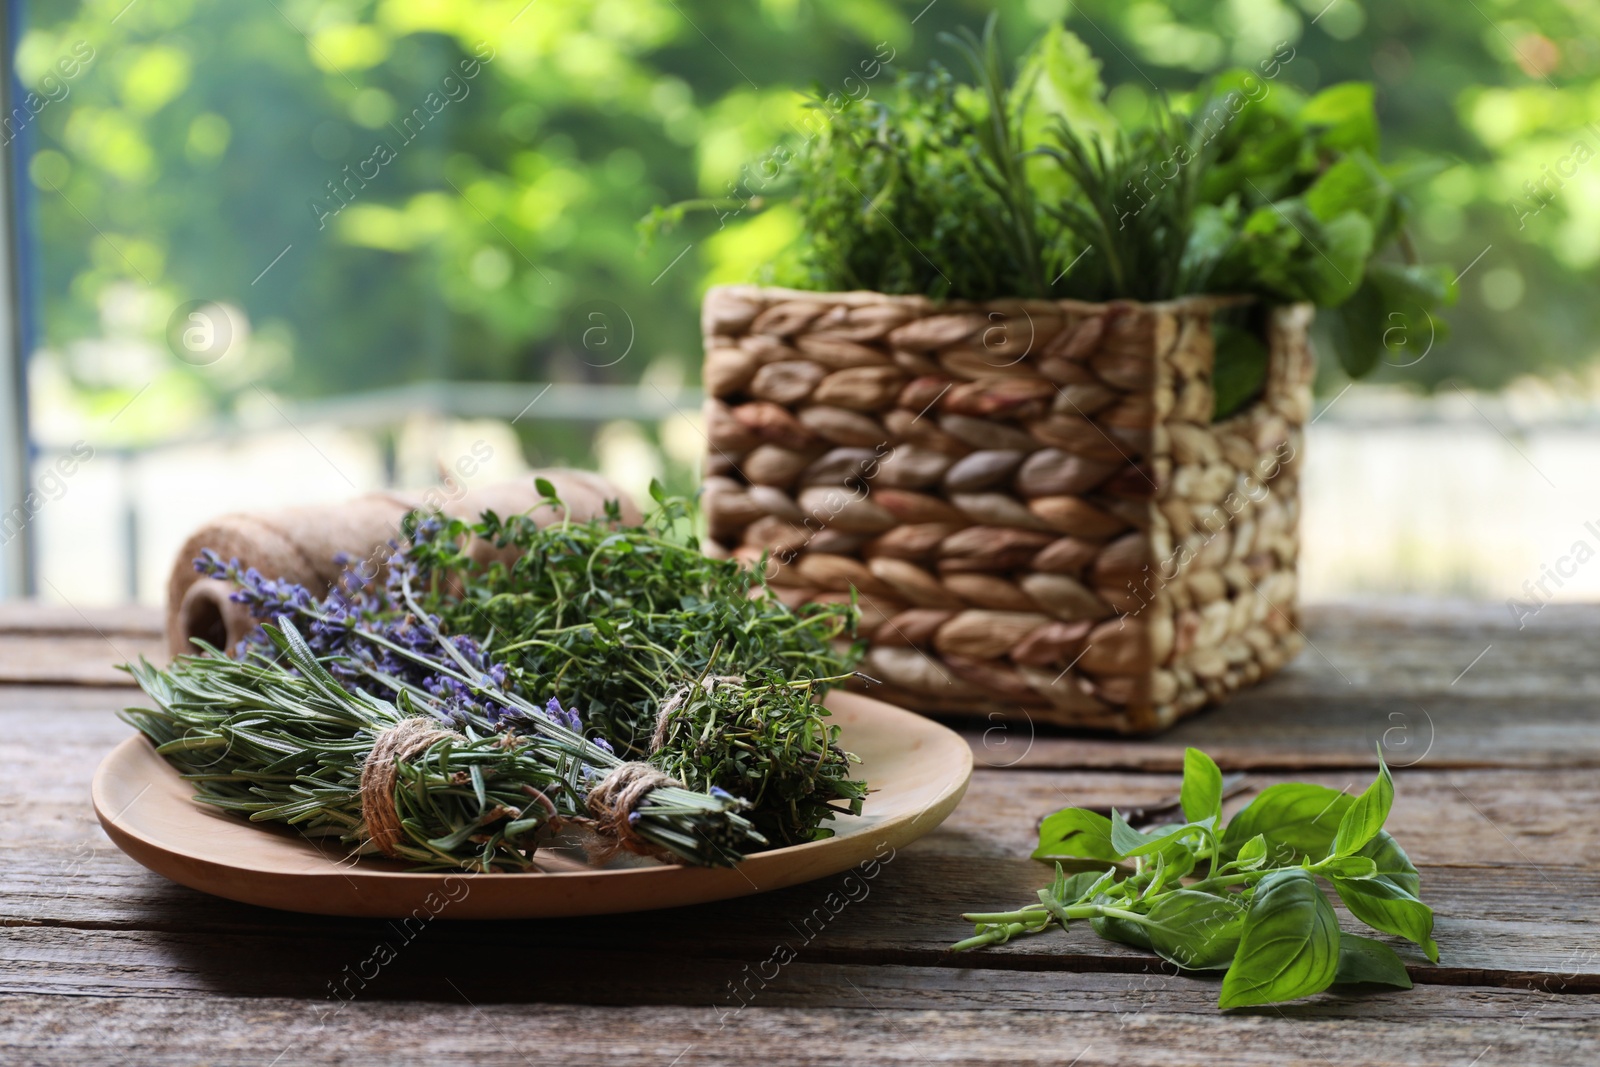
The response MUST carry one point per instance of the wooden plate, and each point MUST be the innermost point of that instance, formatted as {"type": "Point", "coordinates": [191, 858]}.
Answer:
{"type": "Point", "coordinates": [917, 769]}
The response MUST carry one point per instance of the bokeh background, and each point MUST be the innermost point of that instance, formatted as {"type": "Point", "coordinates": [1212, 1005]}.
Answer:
{"type": "Point", "coordinates": [284, 250]}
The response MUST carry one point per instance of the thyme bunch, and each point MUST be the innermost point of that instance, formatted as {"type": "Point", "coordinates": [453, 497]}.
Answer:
{"type": "Point", "coordinates": [616, 621]}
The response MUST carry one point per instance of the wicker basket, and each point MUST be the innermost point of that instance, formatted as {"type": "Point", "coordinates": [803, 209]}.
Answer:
{"type": "Point", "coordinates": [1029, 497]}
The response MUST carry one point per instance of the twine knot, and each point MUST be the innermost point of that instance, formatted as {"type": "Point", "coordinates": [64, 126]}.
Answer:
{"type": "Point", "coordinates": [402, 741]}
{"type": "Point", "coordinates": [616, 797]}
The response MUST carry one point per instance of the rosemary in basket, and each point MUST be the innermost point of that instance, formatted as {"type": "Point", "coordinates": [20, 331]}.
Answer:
{"type": "Point", "coordinates": [284, 740]}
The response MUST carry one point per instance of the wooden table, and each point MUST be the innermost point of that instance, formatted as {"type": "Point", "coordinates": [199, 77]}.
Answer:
{"type": "Point", "coordinates": [1492, 731]}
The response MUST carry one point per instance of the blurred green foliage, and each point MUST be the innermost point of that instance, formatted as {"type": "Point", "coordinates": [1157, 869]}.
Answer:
{"type": "Point", "coordinates": [199, 141]}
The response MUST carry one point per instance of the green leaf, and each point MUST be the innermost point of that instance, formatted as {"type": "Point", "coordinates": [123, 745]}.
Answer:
{"type": "Point", "coordinates": [1297, 819]}
{"type": "Point", "coordinates": [1348, 867]}
{"type": "Point", "coordinates": [1252, 854]}
{"type": "Point", "coordinates": [1076, 833]}
{"type": "Point", "coordinates": [1394, 866]}
{"type": "Point", "coordinates": [1197, 931]}
{"type": "Point", "coordinates": [1290, 944]}
{"type": "Point", "coordinates": [1059, 78]}
{"type": "Point", "coordinates": [1124, 930]}
{"type": "Point", "coordinates": [1343, 117]}
{"type": "Point", "coordinates": [1387, 900]}
{"type": "Point", "coordinates": [1365, 817]}
{"type": "Point", "coordinates": [1362, 959]}
{"type": "Point", "coordinates": [1239, 373]}
{"type": "Point", "coordinates": [1338, 261]}
{"type": "Point", "coordinates": [545, 489]}
{"type": "Point", "coordinates": [1201, 793]}
{"type": "Point", "coordinates": [1125, 839]}
{"type": "Point", "coordinates": [1131, 843]}
{"type": "Point", "coordinates": [1353, 184]}
{"type": "Point", "coordinates": [1383, 907]}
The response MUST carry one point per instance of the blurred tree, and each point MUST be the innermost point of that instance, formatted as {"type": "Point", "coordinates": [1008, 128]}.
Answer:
{"type": "Point", "coordinates": [400, 189]}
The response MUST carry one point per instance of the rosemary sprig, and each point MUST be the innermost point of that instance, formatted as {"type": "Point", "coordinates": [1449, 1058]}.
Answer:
{"type": "Point", "coordinates": [284, 740]}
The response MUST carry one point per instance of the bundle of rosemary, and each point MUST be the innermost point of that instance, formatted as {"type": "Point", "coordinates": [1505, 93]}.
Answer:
{"type": "Point", "coordinates": [461, 760]}
{"type": "Point", "coordinates": [284, 740]}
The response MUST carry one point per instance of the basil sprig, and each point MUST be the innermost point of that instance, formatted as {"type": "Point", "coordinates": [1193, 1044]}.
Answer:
{"type": "Point", "coordinates": [1260, 911]}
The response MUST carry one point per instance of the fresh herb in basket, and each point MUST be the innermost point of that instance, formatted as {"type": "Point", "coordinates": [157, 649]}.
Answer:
{"type": "Point", "coordinates": [1257, 911]}
{"type": "Point", "coordinates": [656, 652]}
{"type": "Point", "coordinates": [1029, 187]}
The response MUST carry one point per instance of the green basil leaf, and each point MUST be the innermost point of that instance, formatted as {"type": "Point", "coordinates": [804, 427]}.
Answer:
{"type": "Point", "coordinates": [1298, 821]}
{"type": "Point", "coordinates": [1344, 116]}
{"type": "Point", "coordinates": [1157, 839]}
{"type": "Point", "coordinates": [1252, 854]}
{"type": "Point", "coordinates": [1197, 931]}
{"type": "Point", "coordinates": [1128, 841]}
{"type": "Point", "coordinates": [1290, 944]}
{"type": "Point", "coordinates": [1076, 833]}
{"type": "Point", "coordinates": [1115, 929]}
{"type": "Point", "coordinates": [1383, 905]}
{"type": "Point", "coordinates": [1070, 890]}
{"type": "Point", "coordinates": [1393, 864]}
{"type": "Point", "coordinates": [1362, 959]}
{"type": "Point", "coordinates": [1349, 867]}
{"type": "Point", "coordinates": [1366, 815]}
{"type": "Point", "coordinates": [1201, 793]}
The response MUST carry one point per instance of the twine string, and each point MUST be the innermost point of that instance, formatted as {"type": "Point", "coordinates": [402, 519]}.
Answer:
{"type": "Point", "coordinates": [379, 772]}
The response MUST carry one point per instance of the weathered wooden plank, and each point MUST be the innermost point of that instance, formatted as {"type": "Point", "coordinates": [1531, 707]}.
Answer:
{"type": "Point", "coordinates": [1508, 817]}
{"type": "Point", "coordinates": [41, 617]}
{"type": "Point", "coordinates": [1439, 685]}
{"type": "Point", "coordinates": [1494, 928]}
{"type": "Point", "coordinates": [873, 1022]}
{"type": "Point", "coordinates": [74, 659]}
{"type": "Point", "coordinates": [1507, 856]}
